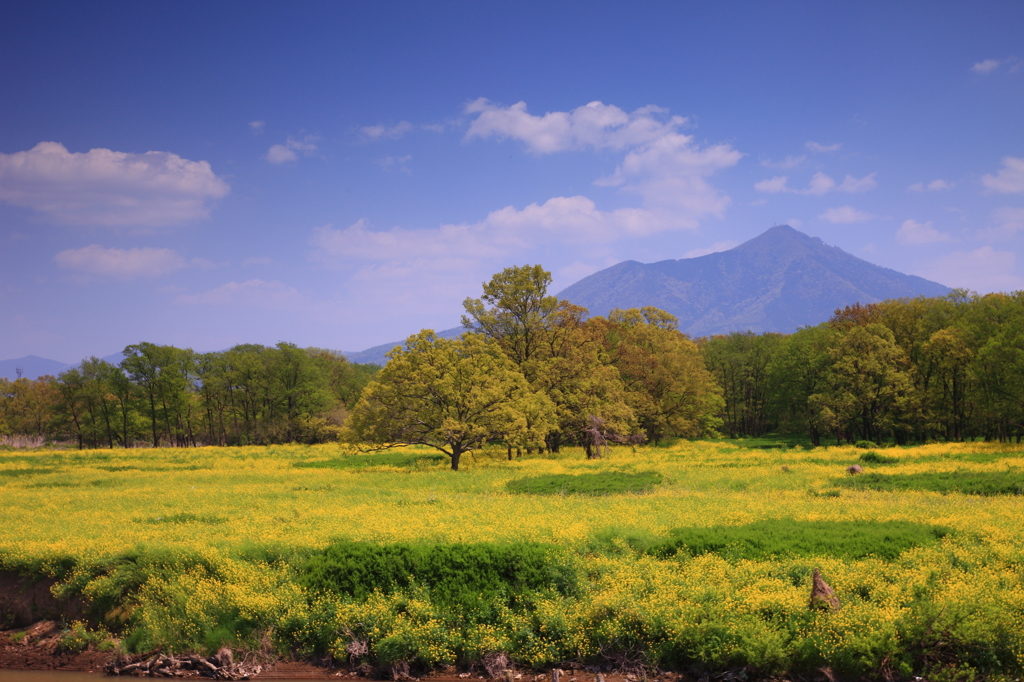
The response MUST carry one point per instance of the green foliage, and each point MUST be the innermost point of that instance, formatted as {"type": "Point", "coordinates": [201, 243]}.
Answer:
{"type": "Point", "coordinates": [79, 637]}
{"type": "Point", "coordinates": [451, 395]}
{"type": "Point", "coordinates": [470, 578]}
{"type": "Point", "coordinates": [603, 483]}
{"type": "Point", "coordinates": [781, 538]}
{"type": "Point", "coordinates": [389, 459]}
{"type": "Point", "coordinates": [965, 482]}
{"type": "Point", "coordinates": [865, 444]}
{"type": "Point", "coordinates": [872, 457]}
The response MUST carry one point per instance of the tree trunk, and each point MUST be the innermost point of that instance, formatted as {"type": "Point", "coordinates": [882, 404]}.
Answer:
{"type": "Point", "coordinates": [456, 454]}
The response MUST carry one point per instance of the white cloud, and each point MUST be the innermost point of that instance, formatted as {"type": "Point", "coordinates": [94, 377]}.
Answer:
{"type": "Point", "coordinates": [663, 166]}
{"type": "Point", "coordinates": [986, 66]}
{"type": "Point", "coordinates": [854, 185]}
{"type": "Point", "coordinates": [253, 293]}
{"type": "Point", "coordinates": [773, 185]}
{"type": "Point", "coordinates": [845, 214]}
{"type": "Point", "coordinates": [818, 185]}
{"type": "Point", "coordinates": [108, 188]}
{"type": "Point", "coordinates": [983, 270]}
{"type": "Point", "coordinates": [913, 232]}
{"type": "Point", "coordinates": [714, 248]}
{"type": "Point", "coordinates": [786, 164]}
{"type": "Point", "coordinates": [257, 126]}
{"type": "Point", "coordinates": [596, 125]}
{"type": "Point", "coordinates": [381, 131]}
{"type": "Point", "coordinates": [933, 186]}
{"type": "Point", "coordinates": [504, 232]}
{"type": "Point", "coordinates": [822, 148]}
{"type": "Point", "coordinates": [1009, 179]}
{"type": "Point", "coordinates": [120, 263]}
{"type": "Point", "coordinates": [279, 153]}
{"type": "Point", "coordinates": [283, 153]}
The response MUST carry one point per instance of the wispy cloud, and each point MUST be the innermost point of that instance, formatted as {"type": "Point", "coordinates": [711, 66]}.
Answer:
{"type": "Point", "coordinates": [396, 163]}
{"type": "Point", "coordinates": [381, 131]}
{"type": "Point", "coordinates": [1009, 179]}
{"type": "Point", "coordinates": [108, 188]}
{"type": "Point", "coordinates": [124, 264]}
{"type": "Point", "coordinates": [283, 153]}
{"type": "Point", "coordinates": [818, 148]}
{"type": "Point", "coordinates": [786, 164]}
{"type": "Point", "coordinates": [986, 66]}
{"type": "Point", "coordinates": [254, 293]}
{"type": "Point", "coordinates": [846, 214]}
{"type": "Point", "coordinates": [818, 185]}
{"type": "Point", "coordinates": [913, 232]}
{"type": "Point", "coordinates": [933, 186]}
{"type": "Point", "coordinates": [257, 127]}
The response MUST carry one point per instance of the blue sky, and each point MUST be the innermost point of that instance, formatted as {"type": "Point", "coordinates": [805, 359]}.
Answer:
{"type": "Point", "coordinates": [343, 174]}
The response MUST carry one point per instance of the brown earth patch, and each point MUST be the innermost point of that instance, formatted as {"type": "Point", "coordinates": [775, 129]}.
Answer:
{"type": "Point", "coordinates": [24, 601]}
{"type": "Point", "coordinates": [40, 651]}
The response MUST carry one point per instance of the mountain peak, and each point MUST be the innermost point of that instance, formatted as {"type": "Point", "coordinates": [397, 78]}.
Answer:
{"type": "Point", "coordinates": [778, 281]}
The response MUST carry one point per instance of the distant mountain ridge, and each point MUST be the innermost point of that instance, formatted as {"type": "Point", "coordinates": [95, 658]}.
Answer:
{"type": "Point", "coordinates": [33, 366]}
{"type": "Point", "coordinates": [776, 282]}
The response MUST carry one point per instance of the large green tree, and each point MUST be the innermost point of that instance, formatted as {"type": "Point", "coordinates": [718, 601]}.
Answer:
{"type": "Point", "coordinates": [453, 395]}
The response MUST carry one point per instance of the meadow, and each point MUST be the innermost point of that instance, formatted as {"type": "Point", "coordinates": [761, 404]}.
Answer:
{"type": "Point", "coordinates": [699, 559]}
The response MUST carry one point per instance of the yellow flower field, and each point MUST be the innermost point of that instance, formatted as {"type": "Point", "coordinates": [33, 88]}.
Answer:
{"type": "Point", "coordinates": [218, 504]}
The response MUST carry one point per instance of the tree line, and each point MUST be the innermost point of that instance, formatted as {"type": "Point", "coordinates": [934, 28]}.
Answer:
{"type": "Point", "coordinates": [901, 371]}
{"type": "Point", "coordinates": [535, 373]}
{"type": "Point", "coordinates": [162, 395]}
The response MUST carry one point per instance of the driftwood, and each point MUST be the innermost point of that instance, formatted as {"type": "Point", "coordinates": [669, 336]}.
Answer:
{"type": "Point", "coordinates": [822, 596]}
{"type": "Point", "coordinates": [220, 666]}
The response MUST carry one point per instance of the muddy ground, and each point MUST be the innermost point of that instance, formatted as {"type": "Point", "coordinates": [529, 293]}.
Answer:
{"type": "Point", "coordinates": [36, 648]}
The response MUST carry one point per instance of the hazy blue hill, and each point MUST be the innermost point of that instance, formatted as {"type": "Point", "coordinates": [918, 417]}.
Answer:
{"type": "Point", "coordinates": [378, 354]}
{"type": "Point", "coordinates": [778, 281]}
{"type": "Point", "coordinates": [32, 367]}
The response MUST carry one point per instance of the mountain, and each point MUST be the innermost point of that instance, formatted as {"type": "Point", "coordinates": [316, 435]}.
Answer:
{"type": "Point", "coordinates": [33, 366]}
{"type": "Point", "coordinates": [378, 354]}
{"type": "Point", "coordinates": [776, 282]}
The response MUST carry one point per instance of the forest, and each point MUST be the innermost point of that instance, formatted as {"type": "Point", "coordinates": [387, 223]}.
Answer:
{"type": "Point", "coordinates": [535, 373]}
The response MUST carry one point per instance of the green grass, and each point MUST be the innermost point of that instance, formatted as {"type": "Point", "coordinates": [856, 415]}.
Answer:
{"type": "Point", "coordinates": [964, 482]}
{"type": "Point", "coordinates": [604, 483]}
{"type": "Point", "coordinates": [787, 538]}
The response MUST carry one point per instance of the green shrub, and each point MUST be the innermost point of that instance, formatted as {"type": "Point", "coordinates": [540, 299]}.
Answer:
{"type": "Point", "coordinates": [604, 483]}
{"type": "Point", "coordinates": [790, 538]}
{"type": "Point", "coordinates": [966, 482]}
{"type": "Point", "coordinates": [872, 457]}
{"type": "Point", "coordinates": [865, 444]}
{"type": "Point", "coordinates": [468, 577]}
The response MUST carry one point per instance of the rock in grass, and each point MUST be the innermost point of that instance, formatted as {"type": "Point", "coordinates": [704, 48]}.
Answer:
{"type": "Point", "coordinates": [855, 469]}
{"type": "Point", "coordinates": [823, 596]}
